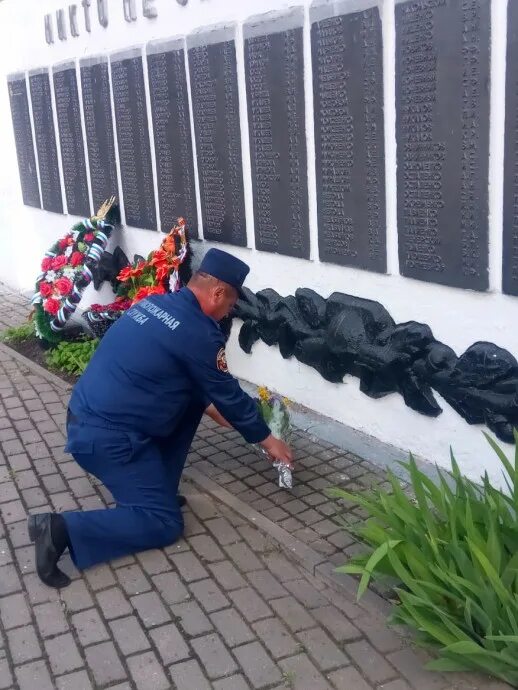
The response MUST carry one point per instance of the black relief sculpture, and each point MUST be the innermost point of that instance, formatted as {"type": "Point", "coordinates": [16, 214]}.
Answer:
{"type": "Point", "coordinates": [344, 334]}
{"type": "Point", "coordinates": [45, 135]}
{"type": "Point", "coordinates": [129, 100]}
{"type": "Point", "coordinates": [510, 253]}
{"type": "Point", "coordinates": [71, 139]}
{"type": "Point", "coordinates": [172, 135]}
{"type": "Point", "coordinates": [274, 67]}
{"type": "Point", "coordinates": [215, 104]}
{"type": "Point", "coordinates": [442, 130]}
{"type": "Point", "coordinates": [23, 139]}
{"type": "Point", "coordinates": [95, 85]}
{"type": "Point", "coordinates": [347, 53]}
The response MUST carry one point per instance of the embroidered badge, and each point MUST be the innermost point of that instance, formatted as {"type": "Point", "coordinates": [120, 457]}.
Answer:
{"type": "Point", "coordinates": [221, 361]}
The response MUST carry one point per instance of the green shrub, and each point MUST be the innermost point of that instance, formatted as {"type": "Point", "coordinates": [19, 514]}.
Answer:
{"type": "Point", "coordinates": [72, 357]}
{"type": "Point", "coordinates": [454, 551]}
{"type": "Point", "coordinates": [17, 334]}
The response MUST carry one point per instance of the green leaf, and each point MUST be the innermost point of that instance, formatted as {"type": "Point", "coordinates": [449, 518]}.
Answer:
{"type": "Point", "coordinates": [373, 561]}
{"type": "Point", "coordinates": [511, 471]}
{"type": "Point", "coordinates": [351, 569]}
{"type": "Point", "coordinates": [446, 665]}
{"type": "Point", "coordinates": [490, 572]}
{"type": "Point", "coordinates": [503, 638]}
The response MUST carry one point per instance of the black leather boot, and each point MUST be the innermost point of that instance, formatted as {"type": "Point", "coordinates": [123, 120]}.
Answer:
{"type": "Point", "coordinates": [46, 553]}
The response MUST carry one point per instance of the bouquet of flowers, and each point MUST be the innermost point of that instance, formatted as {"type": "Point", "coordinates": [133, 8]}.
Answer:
{"type": "Point", "coordinates": [274, 410]}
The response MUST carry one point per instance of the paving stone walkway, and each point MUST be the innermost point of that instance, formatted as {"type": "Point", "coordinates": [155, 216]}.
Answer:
{"type": "Point", "coordinates": [224, 608]}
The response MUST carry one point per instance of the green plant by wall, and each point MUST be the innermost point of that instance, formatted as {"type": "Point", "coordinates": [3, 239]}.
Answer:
{"type": "Point", "coordinates": [72, 357]}
{"type": "Point", "coordinates": [454, 550]}
{"type": "Point", "coordinates": [17, 334]}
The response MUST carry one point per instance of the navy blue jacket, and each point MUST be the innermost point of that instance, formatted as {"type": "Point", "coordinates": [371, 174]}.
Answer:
{"type": "Point", "coordinates": [160, 356]}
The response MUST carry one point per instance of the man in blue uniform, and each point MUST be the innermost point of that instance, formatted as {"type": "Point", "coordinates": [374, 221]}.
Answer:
{"type": "Point", "coordinates": [134, 412]}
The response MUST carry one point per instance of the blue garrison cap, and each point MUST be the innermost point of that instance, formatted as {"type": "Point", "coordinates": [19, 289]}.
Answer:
{"type": "Point", "coordinates": [225, 267]}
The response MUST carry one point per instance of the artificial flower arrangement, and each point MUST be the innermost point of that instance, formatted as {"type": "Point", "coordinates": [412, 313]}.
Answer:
{"type": "Point", "coordinates": [66, 270]}
{"type": "Point", "coordinates": [159, 273]}
{"type": "Point", "coordinates": [275, 412]}
{"type": "Point", "coordinates": [154, 276]}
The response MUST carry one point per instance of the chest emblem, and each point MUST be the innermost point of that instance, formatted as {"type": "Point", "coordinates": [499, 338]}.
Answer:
{"type": "Point", "coordinates": [221, 361]}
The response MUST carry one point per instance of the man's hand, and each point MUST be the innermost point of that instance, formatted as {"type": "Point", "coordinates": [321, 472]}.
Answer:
{"type": "Point", "coordinates": [217, 417]}
{"type": "Point", "coordinates": [278, 450]}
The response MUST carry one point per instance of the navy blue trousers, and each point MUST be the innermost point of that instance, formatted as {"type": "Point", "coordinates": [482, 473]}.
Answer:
{"type": "Point", "coordinates": [142, 474]}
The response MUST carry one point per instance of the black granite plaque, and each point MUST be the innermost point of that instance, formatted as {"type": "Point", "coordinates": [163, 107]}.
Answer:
{"type": "Point", "coordinates": [347, 57]}
{"type": "Point", "coordinates": [23, 139]}
{"type": "Point", "coordinates": [71, 139]}
{"type": "Point", "coordinates": [215, 102]}
{"type": "Point", "coordinates": [442, 101]}
{"type": "Point", "coordinates": [172, 135]}
{"type": "Point", "coordinates": [510, 249]}
{"type": "Point", "coordinates": [133, 139]}
{"type": "Point", "coordinates": [95, 86]}
{"type": "Point", "coordinates": [274, 65]}
{"type": "Point", "coordinates": [45, 136]}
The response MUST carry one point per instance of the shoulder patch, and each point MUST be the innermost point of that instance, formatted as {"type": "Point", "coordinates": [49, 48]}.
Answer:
{"type": "Point", "coordinates": [221, 361]}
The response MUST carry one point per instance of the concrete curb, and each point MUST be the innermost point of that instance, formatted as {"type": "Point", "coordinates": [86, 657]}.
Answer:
{"type": "Point", "coordinates": [304, 555]}
{"type": "Point", "coordinates": [301, 553]}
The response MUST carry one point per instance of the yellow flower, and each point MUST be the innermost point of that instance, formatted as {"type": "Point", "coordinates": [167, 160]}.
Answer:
{"type": "Point", "coordinates": [264, 393]}
{"type": "Point", "coordinates": [286, 401]}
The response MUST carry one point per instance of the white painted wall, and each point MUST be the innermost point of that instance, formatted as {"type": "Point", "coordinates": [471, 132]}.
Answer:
{"type": "Point", "coordinates": [458, 317]}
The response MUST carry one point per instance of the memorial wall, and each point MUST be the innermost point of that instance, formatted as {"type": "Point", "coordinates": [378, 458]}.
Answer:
{"type": "Point", "coordinates": [357, 146]}
{"type": "Point", "coordinates": [442, 92]}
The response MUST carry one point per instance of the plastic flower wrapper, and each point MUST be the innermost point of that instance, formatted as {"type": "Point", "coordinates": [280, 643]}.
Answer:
{"type": "Point", "coordinates": [274, 410]}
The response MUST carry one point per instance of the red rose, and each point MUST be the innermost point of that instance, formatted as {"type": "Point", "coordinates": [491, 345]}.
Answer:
{"type": "Point", "coordinates": [77, 259]}
{"type": "Point", "coordinates": [89, 237]}
{"type": "Point", "coordinates": [58, 262]}
{"type": "Point", "coordinates": [64, 286]}
{"type": "Point", "coordinates": [63, 244]}
{"type": "Point", "coordinates": [46, 264]}
{"type": "Point", "coordinates": [45, 289]}
{"type": "Point", "coordinates": [51, 306]}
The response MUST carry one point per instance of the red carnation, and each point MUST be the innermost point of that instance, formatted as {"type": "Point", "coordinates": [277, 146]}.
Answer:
{"type": "Point", "coordinates": [46, 264]}
{"type": "Point", "coordinates": [45, 289]}
{"type": "Point", "coordinates": [158, 257]}
{"type": "Point", "coordinates": [125, 274]}
{"type": "Point", "coordinates": [89, 237]}
{"type": "Point", "coordinates": [163, 271]}
{"type": "Point", "coordinates": [63, 244]}
{"type": "Point", "coordinates": [64, 286]}
{"type": "Point", "coordinates": [77, 259]}
{"type": "Point", "coordinates": [148, 291]}
{"type": "Point", "coordinates": [58, 262]}
{"type": "Point", "coordinates": [121, 304]}
{"type": "Point", "coordinates": [51, 306]}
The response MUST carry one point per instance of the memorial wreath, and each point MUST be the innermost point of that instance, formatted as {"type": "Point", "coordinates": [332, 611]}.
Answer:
{"type": "Point", "coordinates": [67, 269]}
